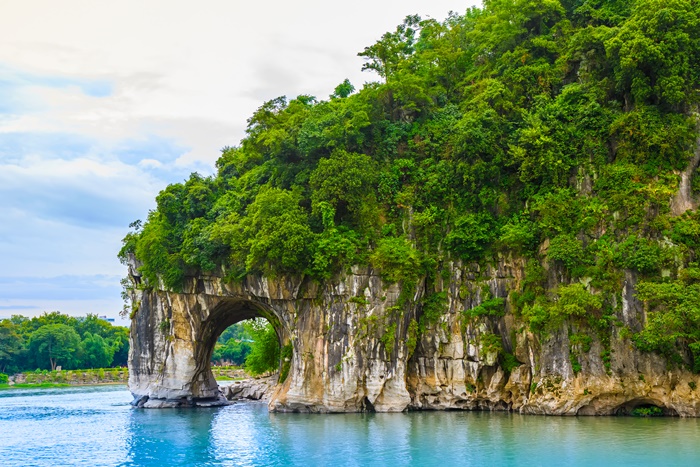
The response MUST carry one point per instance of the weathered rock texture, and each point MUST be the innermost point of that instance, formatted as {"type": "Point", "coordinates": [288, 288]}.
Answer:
{"type": "Point", "coordinates": [354, 349]}
{"type": "Point", "coordinates": [256, 389]}
{"type": "Point", "coordinates": [684, 200]}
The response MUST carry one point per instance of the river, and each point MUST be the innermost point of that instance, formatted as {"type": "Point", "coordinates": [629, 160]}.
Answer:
{"type": "Point", "coordinates": [95, 426]}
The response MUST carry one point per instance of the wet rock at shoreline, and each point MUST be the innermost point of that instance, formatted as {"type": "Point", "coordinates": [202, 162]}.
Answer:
{"type": "Point", "coordinates": [251, 389]}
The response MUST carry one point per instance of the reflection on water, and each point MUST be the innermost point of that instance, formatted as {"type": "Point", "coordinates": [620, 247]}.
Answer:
{"type": "Point", "coordinates": [96, 426]}
{"type": "Point", "coordinates": [179, 435]}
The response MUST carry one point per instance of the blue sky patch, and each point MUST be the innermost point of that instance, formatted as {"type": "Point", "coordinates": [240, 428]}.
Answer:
{"type": "Point", "coordinates": [133, 151]}
{"type": "Point", "coordinates": [15, 146]}
{"type": "Point", "coordinates": [13, 84]}
{"type": "Point", "coordinates": [58, 288]}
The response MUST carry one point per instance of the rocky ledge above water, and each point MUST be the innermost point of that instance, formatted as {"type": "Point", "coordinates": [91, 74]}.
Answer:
{"type": "Point", "coordinates": [257, 389]}
{"type": "Point", "coordinates": [357, 347]}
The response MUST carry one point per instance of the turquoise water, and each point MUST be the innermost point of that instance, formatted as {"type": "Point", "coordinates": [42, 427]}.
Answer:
{"type": "Point", "coordinates": [97, 427]}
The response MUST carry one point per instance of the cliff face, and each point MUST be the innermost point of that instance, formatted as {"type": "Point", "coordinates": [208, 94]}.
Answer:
{"type": "Point", "coordinates": [355, 349]}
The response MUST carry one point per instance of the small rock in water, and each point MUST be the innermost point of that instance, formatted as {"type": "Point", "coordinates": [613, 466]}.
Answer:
{"type": "Point", "coordinates": [252, 389]}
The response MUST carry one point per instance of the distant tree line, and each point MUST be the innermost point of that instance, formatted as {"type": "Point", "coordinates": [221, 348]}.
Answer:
{"type": "Point", "coordinates": [55, 339]}
{"type": "Point", "coordinates": [252, 344]}
{"type": "Point", "coordinates": [233, 346]}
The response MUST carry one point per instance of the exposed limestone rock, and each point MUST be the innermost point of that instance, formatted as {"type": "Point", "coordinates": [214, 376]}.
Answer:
{"type": "Point", "coordinates": [252, 389]}
{"type": "Point", "coordinates": [351, 349]}
{"type": "Point", "coordinates": [684, 200]}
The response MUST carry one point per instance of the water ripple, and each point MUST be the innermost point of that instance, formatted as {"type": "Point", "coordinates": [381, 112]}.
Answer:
{"type": "Point", "coordinates": [97, 427]}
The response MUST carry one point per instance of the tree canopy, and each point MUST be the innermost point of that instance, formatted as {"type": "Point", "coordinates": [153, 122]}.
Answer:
{"type": "Point", "coordinates": [55, 339]}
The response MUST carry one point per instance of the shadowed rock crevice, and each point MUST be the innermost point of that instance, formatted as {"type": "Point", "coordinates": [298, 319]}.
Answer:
{"type": "Point", "coordinates": [643, 407]}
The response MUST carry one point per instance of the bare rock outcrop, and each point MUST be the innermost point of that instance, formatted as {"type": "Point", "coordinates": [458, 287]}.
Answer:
{"type": "Point", "coordinates": [256, 389]}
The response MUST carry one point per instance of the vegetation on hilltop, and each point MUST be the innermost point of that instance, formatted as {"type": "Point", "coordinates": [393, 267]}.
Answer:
{"type": "Point", "coordinates": [551, 130]}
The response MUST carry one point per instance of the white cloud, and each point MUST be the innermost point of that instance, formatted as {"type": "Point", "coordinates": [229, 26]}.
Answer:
{"type": "Point", "coordinates": [104, 103]}
{"type": "Point", "coordinates": [150, 164]}
{"type": "Point", "coordinates": [213, 61]}
{"type": "Point", "coordinates": [38, 183]}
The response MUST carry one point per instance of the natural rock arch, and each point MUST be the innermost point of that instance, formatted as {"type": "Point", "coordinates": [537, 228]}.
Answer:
{"type": "Point", "coordinates": [339, 361]}
{"type": "Point", "coordinates": [355, 348]}
{"type": "Point", "coordinates": [227, 312]}
{"type": "Point", "coordinates": [230, 311]}
{"type": "Point", "coordinates": [179, 331]}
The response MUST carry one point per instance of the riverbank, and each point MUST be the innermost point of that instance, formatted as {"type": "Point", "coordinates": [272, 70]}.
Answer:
{"type": "Point", "coordinates": [96, 376]}
{"type": "Point", "coordinates": [66, 378]}
{"type": "Point", "coordinates": [4, 387]}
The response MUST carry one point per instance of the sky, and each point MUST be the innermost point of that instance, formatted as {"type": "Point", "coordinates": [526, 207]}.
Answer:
{"type": "Point", "coordinates": [104, 103]}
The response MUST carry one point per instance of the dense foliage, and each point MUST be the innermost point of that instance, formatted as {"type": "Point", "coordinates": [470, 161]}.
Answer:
{"type": "Point", "coordinates": [233, 346]}
{"type": "Point", "coordinates": [264, 356]}
{"type": "Point", "coordinates": [54, 339]}
{"type": "Point", "coordinates": [252, 344]}
{"type": "Point", "coordinates": [550, 130]}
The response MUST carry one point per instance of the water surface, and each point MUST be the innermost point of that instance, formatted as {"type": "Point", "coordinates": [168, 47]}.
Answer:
{"type": "Point", "coordinates": [97, 427]}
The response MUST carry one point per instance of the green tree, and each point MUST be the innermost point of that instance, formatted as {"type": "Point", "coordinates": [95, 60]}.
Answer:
{"type": "Point", "coordinates": [471, 234]}
{"type": "Point", "coordinates": [236, 331]}
{"type": "Point", "coordinates": [385, 56]}
{"type": "Point", "coordinates": [656, 52]}
{"type": "Point", "coordinates": [346, 181]}
{"type": "Point", "coordinates": [54, 344]}
{"type": "Point", "coordinates": [343, 90]}
{"type": "Point", "coordinates": [92, 324]}
{"type": "Point", "coordinates": [10, 346]}
{"type": "Point", "coordinates": [97, 353]}
{"type": "Point", "coordinates": [264, 354]}
{"type": "Point", "coordinates": [119, 342]}
{"type": "Point", "coordinates": [233, 351]}
{"type": "Point", "coordinates": [397, 260]}
{"type": "Point", "coordinates": [279, 235]}
{"type": "Point", "coordinates": [674, 315]}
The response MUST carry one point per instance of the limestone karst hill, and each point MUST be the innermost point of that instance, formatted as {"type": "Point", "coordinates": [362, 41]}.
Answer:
{"type": "Point", "coordinates": [508, 220]}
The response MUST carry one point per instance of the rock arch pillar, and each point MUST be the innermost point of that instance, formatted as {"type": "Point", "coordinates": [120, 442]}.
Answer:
{"type": "Point", "coordinates": [172, 339]}
{"type": "Point", "coordinates": [340, 360]}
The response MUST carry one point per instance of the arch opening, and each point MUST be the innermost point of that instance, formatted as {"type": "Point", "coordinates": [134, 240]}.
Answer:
{"type": "Point", "coordinates": [249, 347]}
{"type": "Point", "coordinates": [645, 408]}
{"type": "Point", "coordinates": [232, 347]}
{"type": "Point", "coordinates": [263, 325]}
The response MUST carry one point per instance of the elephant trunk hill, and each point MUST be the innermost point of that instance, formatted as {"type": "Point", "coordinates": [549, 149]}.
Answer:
{"type": "Point", "coordinates": [508, 220]}
{"type": "Point", "coordinates": [356, 350]}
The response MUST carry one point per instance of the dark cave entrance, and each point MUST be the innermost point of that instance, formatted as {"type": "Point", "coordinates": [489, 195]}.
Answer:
{"type": "Point", "coordinates": [645, 408]}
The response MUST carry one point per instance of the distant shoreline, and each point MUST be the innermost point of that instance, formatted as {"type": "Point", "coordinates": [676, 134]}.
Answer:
{"type": "Point", "coordinates": [67, 378]}
{"type": "Point", "coordinates": [94, 377]}
{"type": "Point", "coordinates": [7, 387]}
